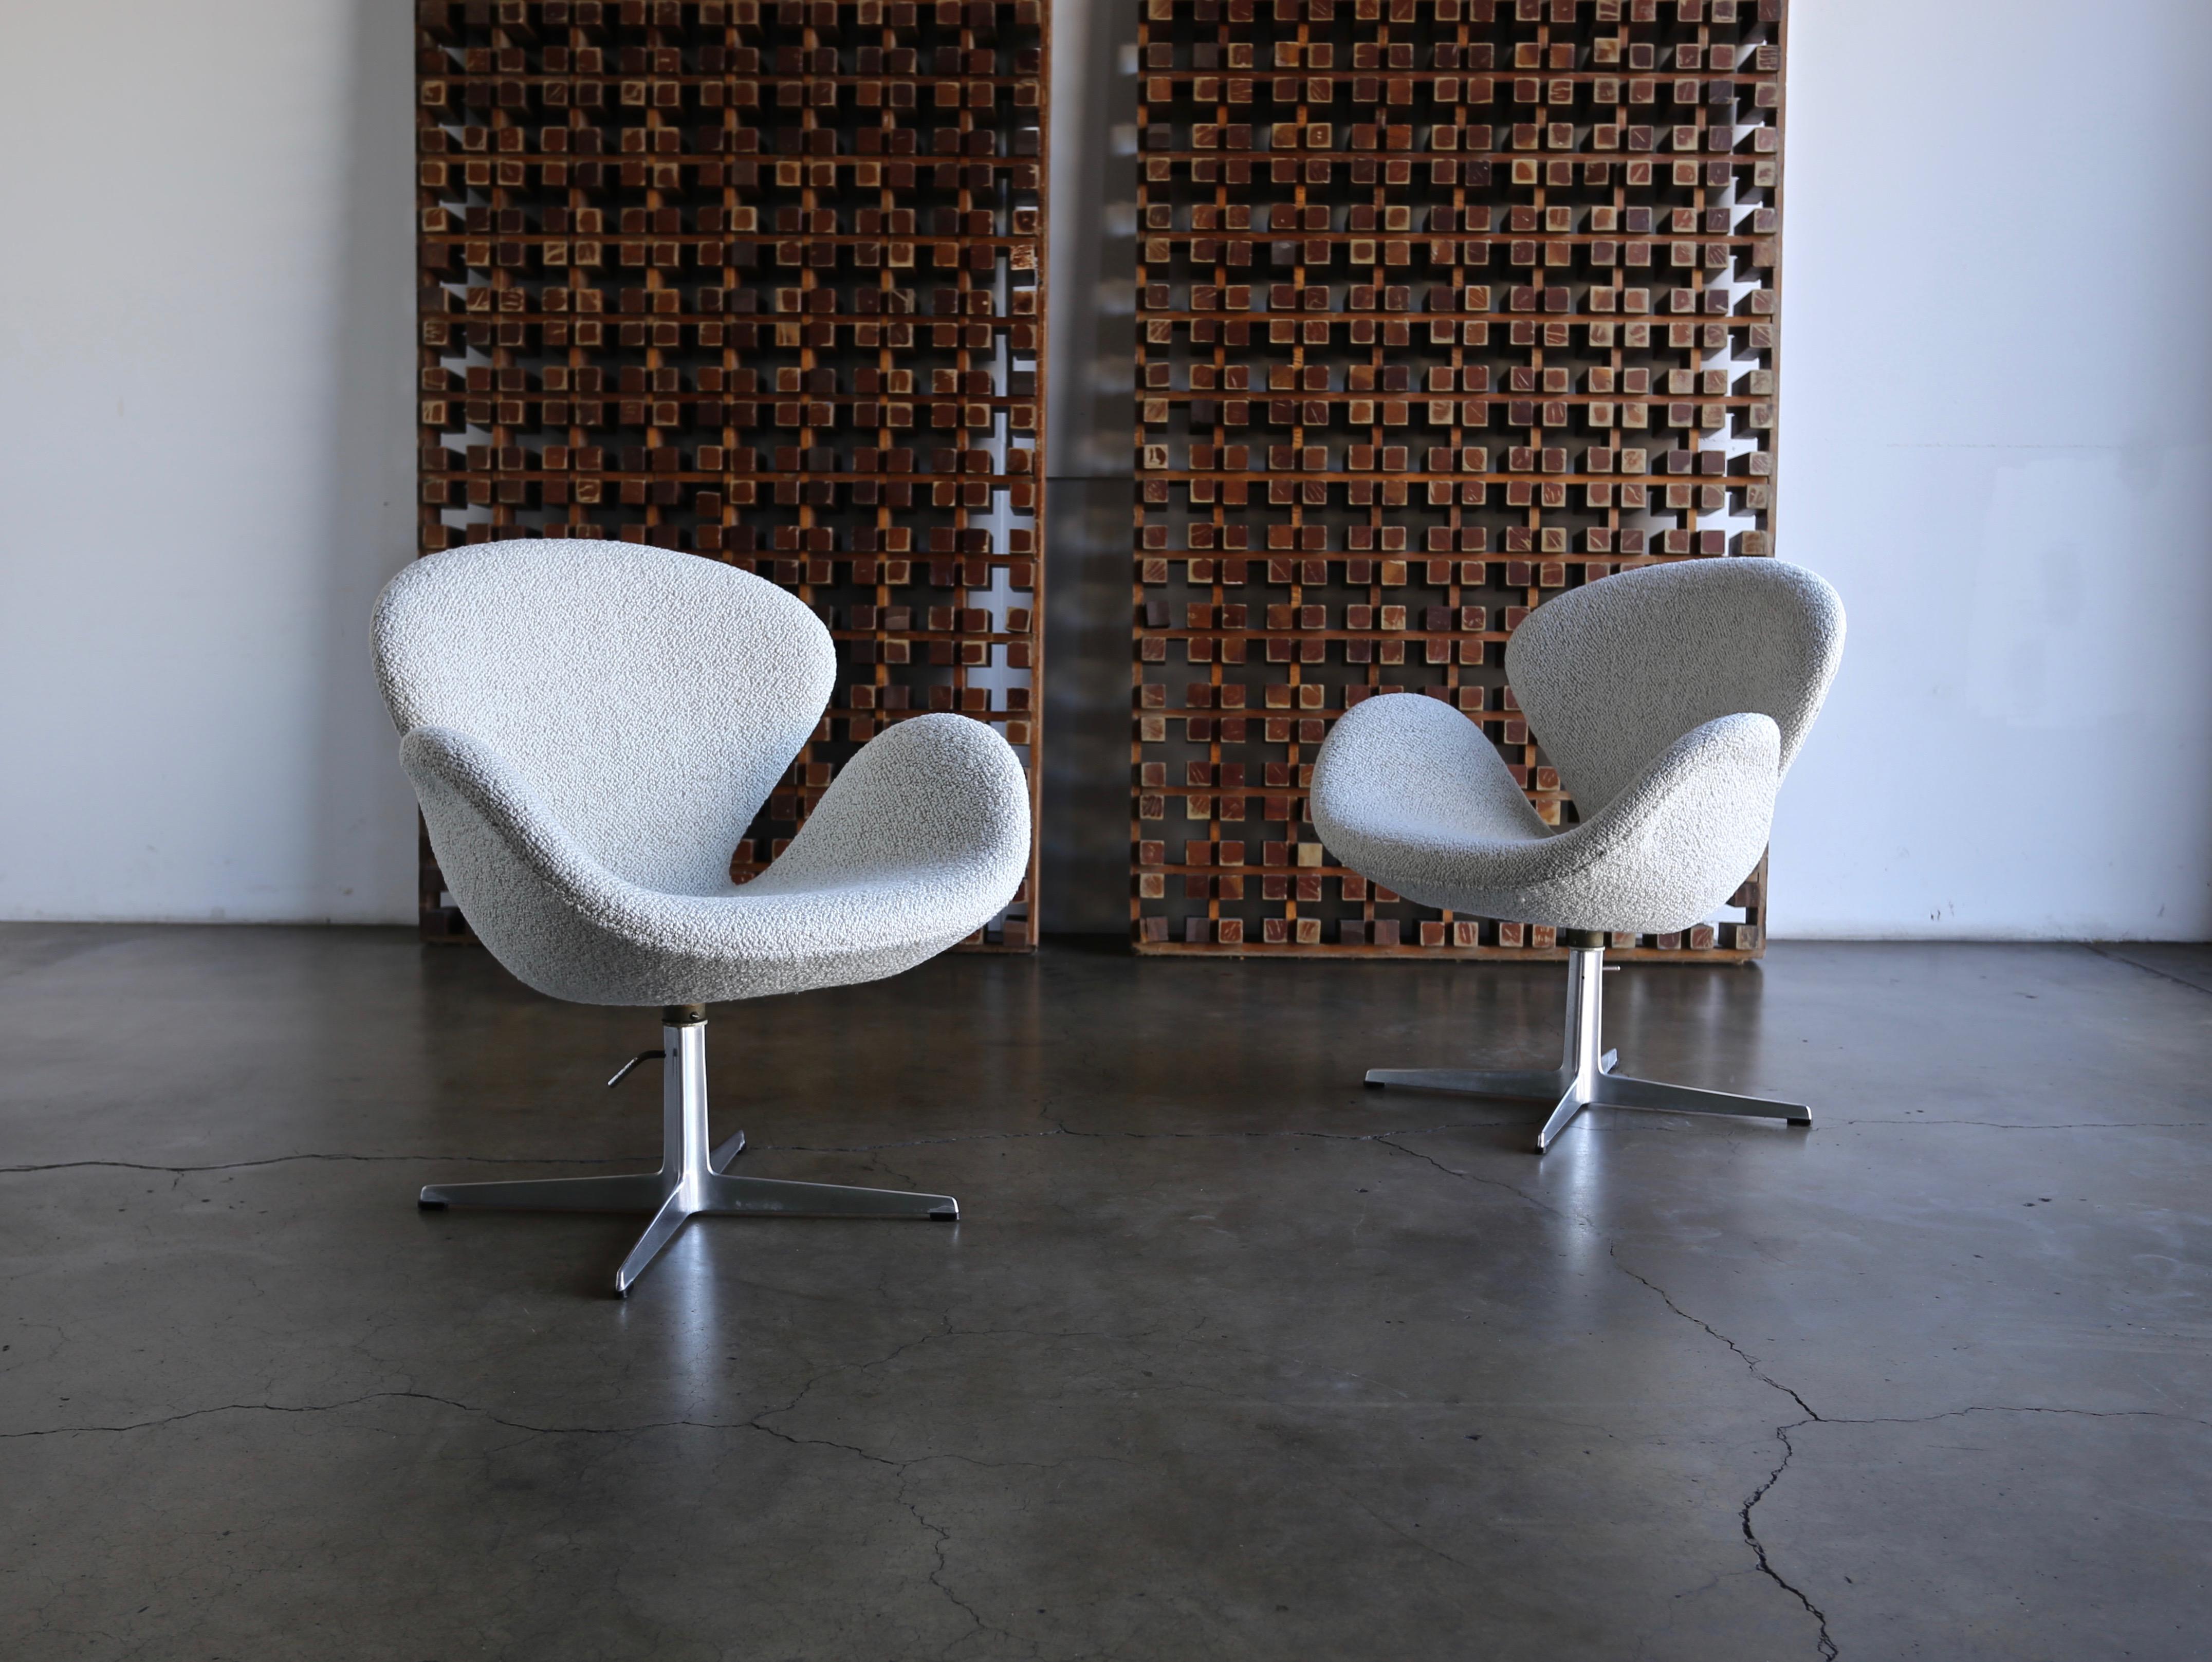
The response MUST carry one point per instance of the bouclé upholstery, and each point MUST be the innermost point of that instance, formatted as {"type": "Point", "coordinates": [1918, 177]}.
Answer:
{"type": "Point", "coordinates": [1672, 700]}
{"type": "Point", "coordinates": [590, 726]}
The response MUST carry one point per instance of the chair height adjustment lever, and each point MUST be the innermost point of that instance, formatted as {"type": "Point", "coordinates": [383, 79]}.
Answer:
{"type": "Point", "coordinates": [623, 1072]}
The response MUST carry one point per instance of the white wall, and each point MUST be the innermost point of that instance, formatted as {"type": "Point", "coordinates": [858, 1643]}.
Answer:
{"type": "Point", "coordinates": [1997, 439]}
{"type": "Point", "coordinates": [205, 456]}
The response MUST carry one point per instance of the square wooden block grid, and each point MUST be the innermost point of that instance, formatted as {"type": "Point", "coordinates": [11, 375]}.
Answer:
{"type": "Point", "coordinates": [1444, 307]}
{"type": "Point", "coordinates": [761, 280]}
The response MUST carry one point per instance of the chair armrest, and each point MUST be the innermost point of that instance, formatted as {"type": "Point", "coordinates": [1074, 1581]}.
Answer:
{"type": "Point", "coordinates": [1407, 778]}
{"type": "Point", "coordinates": [1676, 842]}
{"type": "Point", "coordinates": [940, 798]}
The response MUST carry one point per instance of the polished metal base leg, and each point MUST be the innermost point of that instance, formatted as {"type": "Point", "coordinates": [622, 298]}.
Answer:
{"type": "Point", "coordinates": [640, 1193]}
{"type": "Point", "coordinates": [1619, 1091]}
{"type": "Point", "coordinates": [1474, 1081]}
{"type": "Point", "coordinates": [1584, 1077]}
{"type": "Point", "coordinates": [667, 1223]}
{"type": "Point", "coordinates": [769, 1197]}
{"type": "Point", "coordinates": [1544, 1082]}
{"type": "Point", "coordinates": [692, 1180]}
{"type": "Point", "coordinates": [1571, 1103]}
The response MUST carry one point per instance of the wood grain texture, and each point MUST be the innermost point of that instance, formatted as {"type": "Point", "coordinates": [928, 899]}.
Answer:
{"type": "Point", "coordinates": [762, 281]}
{"type": "Point", "coordinates": [1444, 307]}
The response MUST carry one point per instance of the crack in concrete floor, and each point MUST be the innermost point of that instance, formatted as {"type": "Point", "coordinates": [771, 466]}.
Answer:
{"type": "Point", "coordinates": [1825, 1644]}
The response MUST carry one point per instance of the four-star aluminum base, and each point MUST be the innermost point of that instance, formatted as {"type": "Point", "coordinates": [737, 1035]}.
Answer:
{"type": "Point", "coordinates": [1584, 1077]}
{"type": "Point", "coordinates": [692, 1179]}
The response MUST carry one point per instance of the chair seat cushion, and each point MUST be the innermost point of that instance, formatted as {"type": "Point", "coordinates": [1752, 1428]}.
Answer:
{"type": "Point", "coordinates": [922, 839]}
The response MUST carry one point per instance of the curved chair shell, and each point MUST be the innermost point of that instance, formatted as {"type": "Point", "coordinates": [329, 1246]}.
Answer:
{"type": "Point", "coordinates": [921, 839]}
{"type": "Point", "coordinates": [1672, 700]}
{"type": "Point", "coordinates": [1612, 673]}
{"type": "Point", "coordinates": [650, 698]}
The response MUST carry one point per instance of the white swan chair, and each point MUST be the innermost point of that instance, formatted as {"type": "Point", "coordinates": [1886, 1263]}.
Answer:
{"type": "Point", "coordinates": [589, 727]}
{"type": "Point", "coordinates": [1672, 700]}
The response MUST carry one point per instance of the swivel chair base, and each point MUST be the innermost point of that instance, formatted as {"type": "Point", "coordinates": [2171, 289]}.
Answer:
{"type": "Point", "coordinates": [1584, 1077]}
{"type": "Point", "coordinates": [692, 1180]}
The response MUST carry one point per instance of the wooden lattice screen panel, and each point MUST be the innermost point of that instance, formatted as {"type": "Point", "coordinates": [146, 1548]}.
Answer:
{"type": "Point", "coordinates": [1444, 306]}
{"type": "Point", "coordinates": [760, 280]}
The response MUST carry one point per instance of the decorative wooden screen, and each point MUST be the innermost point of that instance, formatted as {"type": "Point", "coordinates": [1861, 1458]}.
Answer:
{"type": "Point", "coordinates": [759, 280]}
{"type": "Point", "coordinates": [1444, 306]}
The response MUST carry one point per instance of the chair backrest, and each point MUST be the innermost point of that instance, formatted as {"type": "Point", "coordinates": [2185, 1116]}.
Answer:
{"type": "Point", "coordinates": [650, 698]}
{"type": "Point", "coordinates": [1612, 673]}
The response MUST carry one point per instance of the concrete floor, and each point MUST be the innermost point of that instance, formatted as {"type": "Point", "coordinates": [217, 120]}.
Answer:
{"type": "Point", "coordinates": [1228, 1359]}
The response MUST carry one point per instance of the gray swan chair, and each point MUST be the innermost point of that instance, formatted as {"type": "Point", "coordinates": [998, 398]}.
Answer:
{"type": "Point", "coordinates": [1672, 700]}
{"type": "Point", "coordinates": [589, 727]}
